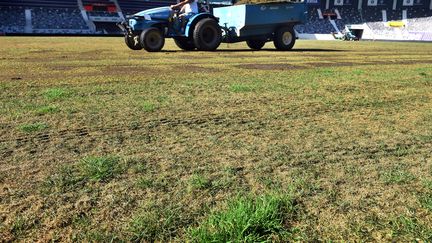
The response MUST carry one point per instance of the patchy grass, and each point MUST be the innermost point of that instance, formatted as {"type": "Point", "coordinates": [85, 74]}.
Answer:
{"type": "Point", "coordinates": [425, 196]}
{"type": "Point", "coordinates": [397, 175]}
{"type": "Point", "coordinates": [96, 236]}
{"type": "Point", "coordinates": [426, 201]}
{"type": "Point", "coordinates": [410, 228]}
{"type": "Point", "coordinates": [249, 219]}
{"type": "Point", "coordinates": [19, 226]}
{"type": "Point", "coordinates": [199, 182]}
{"type": "Point", "coordinates": [145, 182]}
{"type": "Point", "coordinates": [344, 126]}
{"type": "Point", "coordinates": [156, 223]}
{"type": "Point", "coordinates": [64, 179]}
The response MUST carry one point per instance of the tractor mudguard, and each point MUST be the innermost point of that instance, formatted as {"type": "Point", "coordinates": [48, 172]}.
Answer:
{"type": "Point", "coordinates": [194, 20]}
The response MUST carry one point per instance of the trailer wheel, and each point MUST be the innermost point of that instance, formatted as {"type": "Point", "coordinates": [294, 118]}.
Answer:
{"type": "Point", "coordinates": [185, 43]}
{"type": "Point", "coordinates": [133, 42]}
{"type": "Point", "coordinates": [207, 35]}
{"type": "Point", "coordinates": [284, 38]}
{"type": "Point", "coordinates": [152, 39]}
{"type": "Point", "coordinates": [256, 44]}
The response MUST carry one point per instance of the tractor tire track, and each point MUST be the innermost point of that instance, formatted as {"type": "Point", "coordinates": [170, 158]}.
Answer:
{"type": "Point", "coordinates": [242, 117]}
{"type": "Point", "coordinates": [148, 125]}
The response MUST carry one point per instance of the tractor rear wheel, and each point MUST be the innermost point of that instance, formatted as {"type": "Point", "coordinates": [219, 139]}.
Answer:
{"type": "Point", "coordinates": [152, 39]}
{"type": "Point", "coordinates": [185, 43]}
{"type": "Point", "coordinates": [207, 35]}
{"type": "Point", "coordinates": [256, 44]}
{"type": "Point", "coordinates": [284, 38]}
{"type": "Point", "coordinates": [133, 42]}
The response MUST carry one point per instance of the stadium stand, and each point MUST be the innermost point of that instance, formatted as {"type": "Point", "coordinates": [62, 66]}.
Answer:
{"type": "Point", "coordinates": [133, 6]}
{"type": "Point", "coordinates": [325, 16]}
{"type": "Point", "coordinates": [65, 18]}
{"type": "Point", "coordinates": [12, 19]}
{"type": "Point", "coordinates": [315, 24]}
{"type": "Point", "coordinates": [40, 3]}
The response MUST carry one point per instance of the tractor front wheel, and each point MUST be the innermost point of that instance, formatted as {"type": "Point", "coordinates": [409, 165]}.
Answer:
{"type": "Point", "coordinates": [133, 42]}
{"type": "Point", "coordinates": [152, 39]}
{"type": "Point", "coordinates": [284, 38]}
{"type": "Point", "coordinates": [185, 43]}
{"type": "Point", "coordinates": [256, 44]}
{"type": "Point", "coordinates": [207, 35]}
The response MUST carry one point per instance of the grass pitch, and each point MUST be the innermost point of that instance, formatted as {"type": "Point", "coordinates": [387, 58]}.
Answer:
{"type": "Point", "coordinates": [332, 141]}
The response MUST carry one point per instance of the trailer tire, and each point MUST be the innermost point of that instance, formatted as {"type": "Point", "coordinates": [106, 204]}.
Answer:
{"type": "Point", "coordinates": [185, 43]}
{"type": "Point", "coordinates": [256, 44]}
{"type": "Point", "coordinates": [152, 39]}
{"type": "Point", "coordinates": [207, 35]}
{"type": "Point", "coordinates": [284, 38]}
{"type": "Point", "coordinates": [133, 42]}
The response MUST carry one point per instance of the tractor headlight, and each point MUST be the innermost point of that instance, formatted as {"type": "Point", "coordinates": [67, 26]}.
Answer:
{"type": "Point", "coordinates": [132, 22]}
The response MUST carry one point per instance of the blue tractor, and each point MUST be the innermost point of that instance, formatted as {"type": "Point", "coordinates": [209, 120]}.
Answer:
{"type": "Point", "coordinates": [254, 23]}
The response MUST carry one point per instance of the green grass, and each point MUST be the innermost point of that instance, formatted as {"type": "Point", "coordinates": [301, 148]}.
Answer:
{"type": "Point", "coordinates": [34, 127]}
{"type": "Point", "coordinates": [49, 109]}
{"type": "Point", "coordinates": [54, 94]}
{"type": "Point", "coordinates": [240, 88]}
{"type": "Point", "coordinates": [100, 168]}
{"type": "Point", "coordinates": [262, 218]}
{"type": "Point", "coordinates": [149, 106]}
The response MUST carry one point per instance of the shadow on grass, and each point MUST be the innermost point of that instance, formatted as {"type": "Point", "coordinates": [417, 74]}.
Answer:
{"type": "Point", "coordinates": [274, 50]}
{"type": "Point", "coordinates": [262, 50]}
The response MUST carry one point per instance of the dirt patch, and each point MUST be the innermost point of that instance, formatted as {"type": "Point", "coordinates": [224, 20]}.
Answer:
{"type": "Point", "coordinates": [63, 68]}
{"type": "Point", "coordinates": [309, 65]}
{"type": "Point", "coordinates": [42, 51]}
{"type": "Point", "coordinates": [330, 64]}
{"type": "Point", "coordinates": [270, 66]}
{"type": "Point", "coordinates": [196, 69]}
{"type": "Point", "coordinates": [128, 70]}
{"type": "Point", "coordinates": [391, 62]}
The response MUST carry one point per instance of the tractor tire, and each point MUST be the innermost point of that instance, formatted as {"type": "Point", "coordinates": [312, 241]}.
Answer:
{"type": "Point", "coordinates": [256, 44]}
{"type": "Point", "coordinates": [152, 39]}
{"type": "Point", "coordinates": [185, 44]}
{"type": "Point", "coordinates": [284, 38]}
{"type": "Point", "coordinates": [207, 35]}
{"type": "Point", "coordinates": [133, 42]}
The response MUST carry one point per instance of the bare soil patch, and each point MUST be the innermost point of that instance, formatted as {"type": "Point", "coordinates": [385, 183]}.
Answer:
{"type": "Point", "coordinates": [275, 66]}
